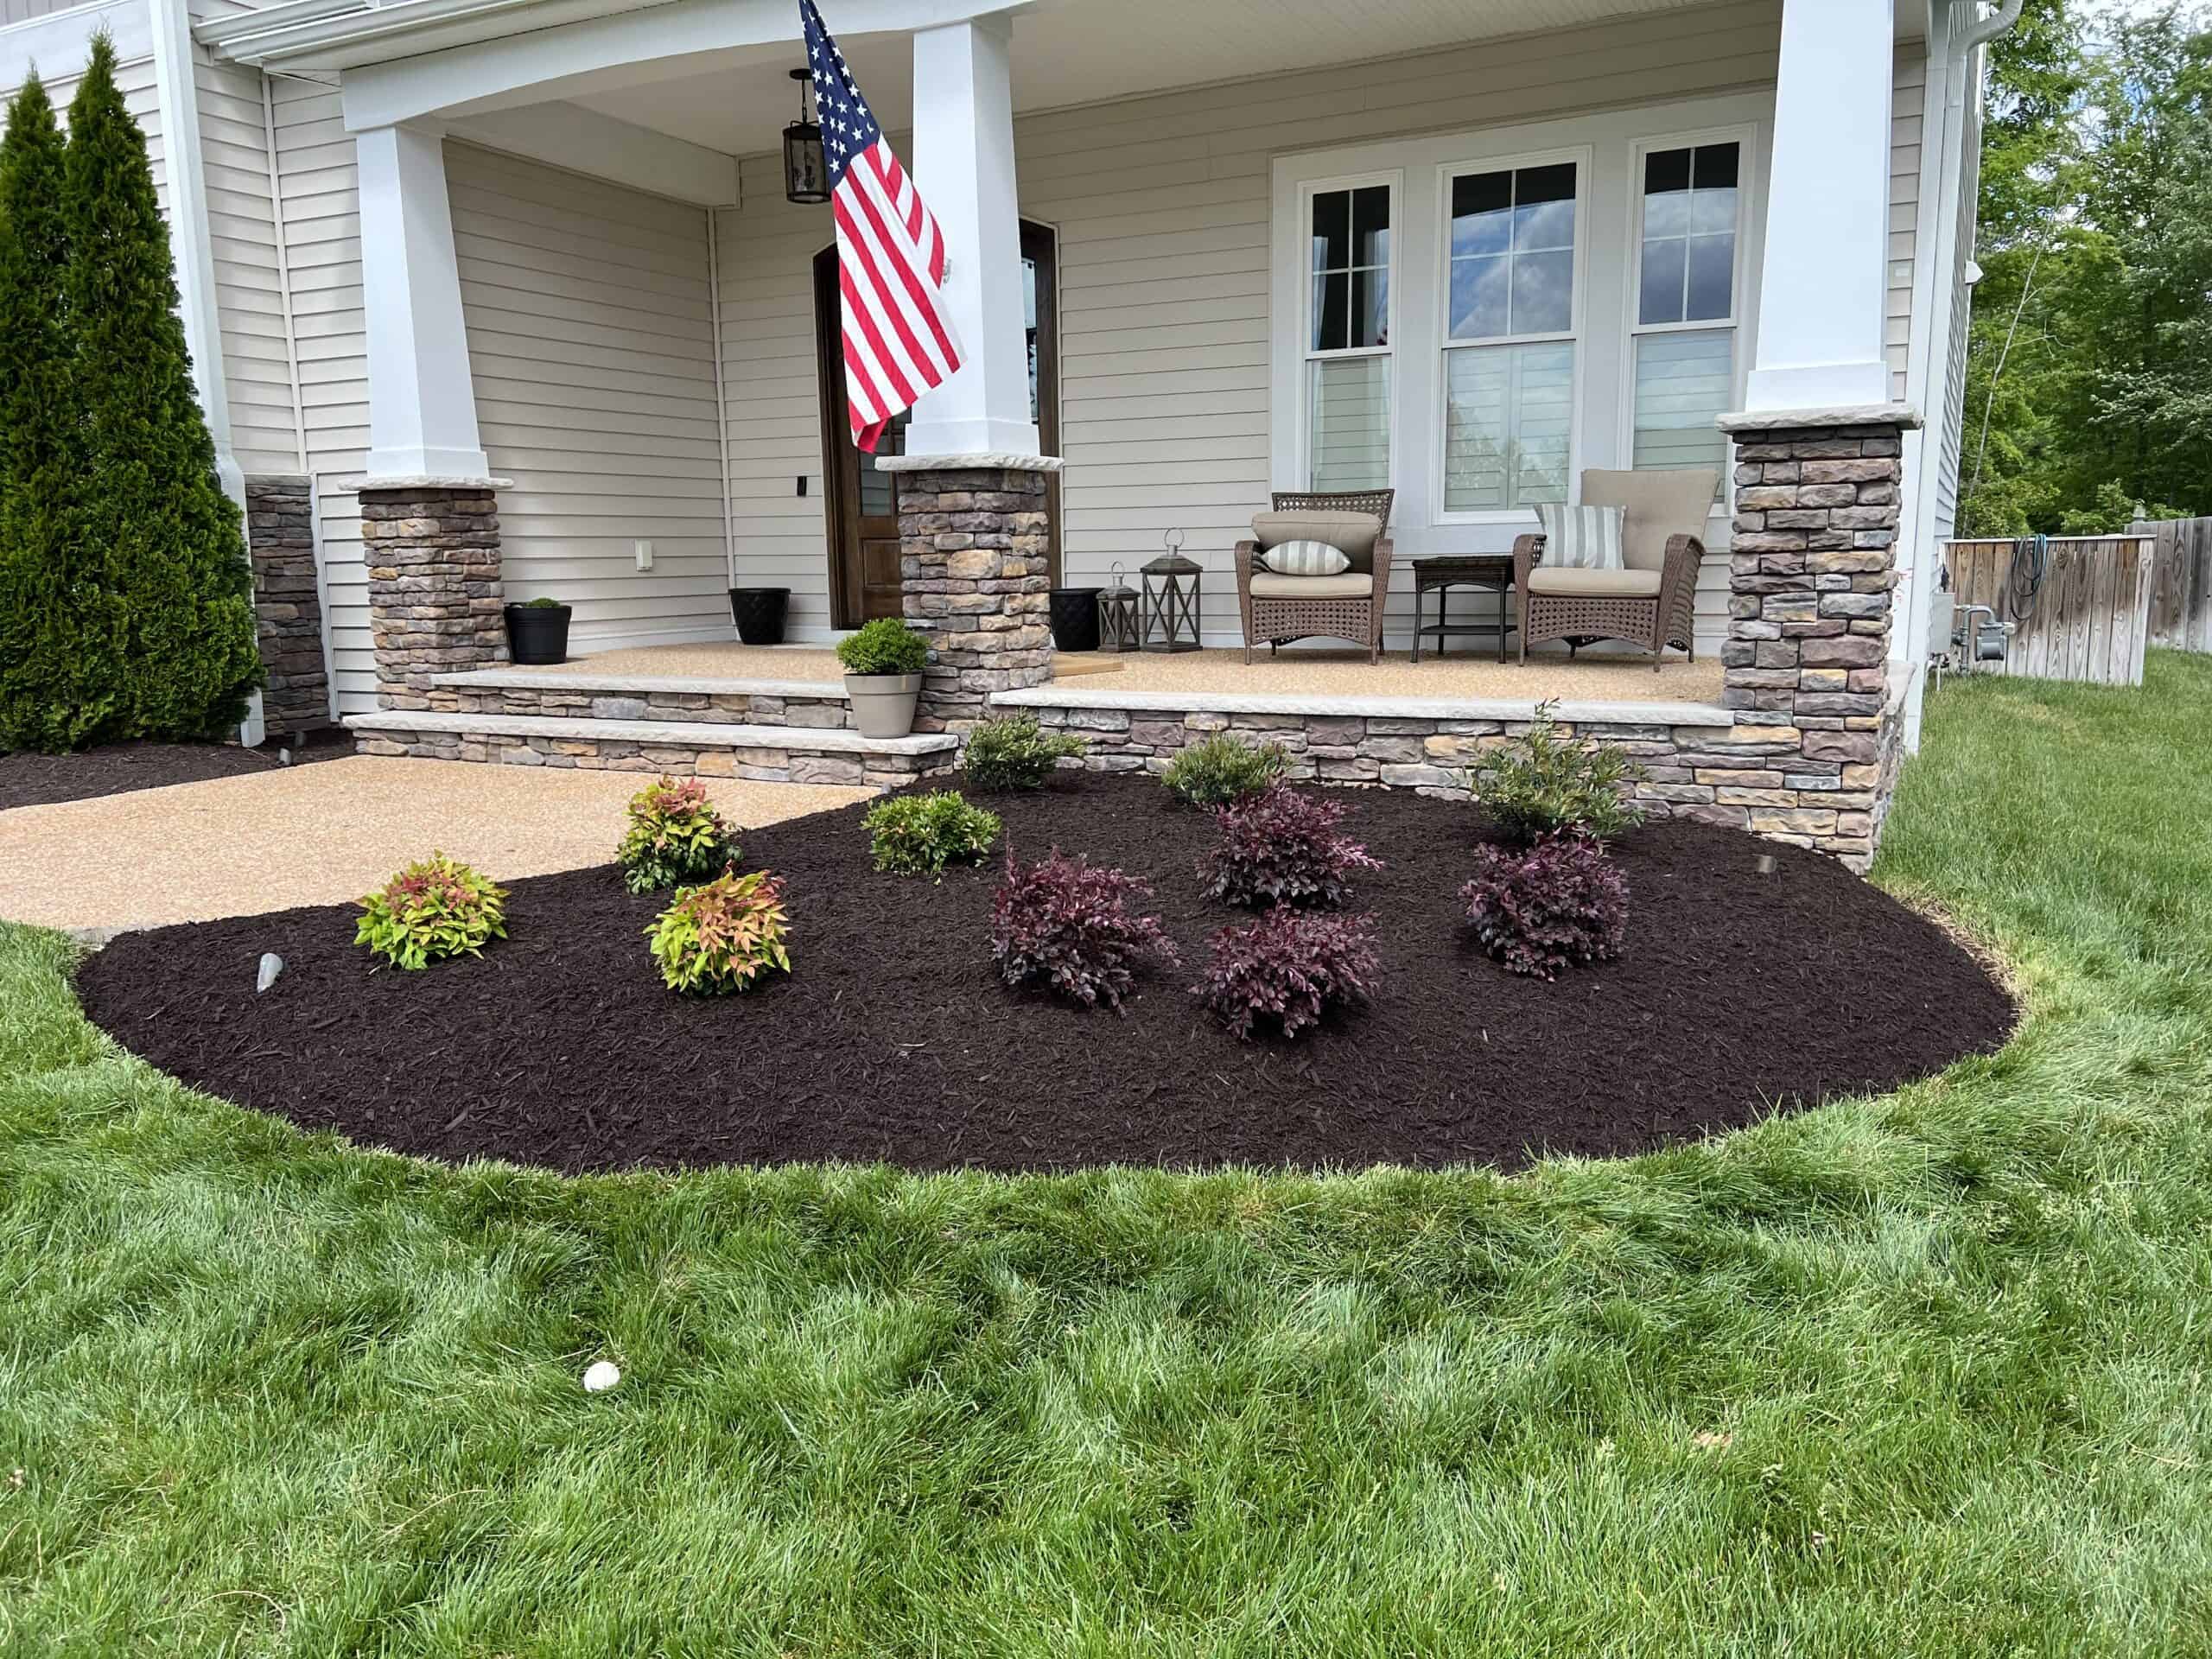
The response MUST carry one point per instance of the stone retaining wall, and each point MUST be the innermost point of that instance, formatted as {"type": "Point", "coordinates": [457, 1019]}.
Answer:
{"type": "Point", "coordinates": [287, 612]}
{"type": "Point", "coordinates": [829, 711]}
{"type": "Point", "coordinates": [435, 593]}
{"type": "Point", "coordinates": [877, 772]}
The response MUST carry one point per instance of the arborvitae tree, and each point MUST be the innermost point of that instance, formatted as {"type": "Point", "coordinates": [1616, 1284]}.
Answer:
{"type": "Point", "coordinates": [151, 505]}
{"type": "Point", "coordinates": [60, 634]}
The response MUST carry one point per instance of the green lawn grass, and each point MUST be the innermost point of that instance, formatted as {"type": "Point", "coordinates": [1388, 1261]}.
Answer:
{"type": "Point", "coordinates": [1920, 1375]}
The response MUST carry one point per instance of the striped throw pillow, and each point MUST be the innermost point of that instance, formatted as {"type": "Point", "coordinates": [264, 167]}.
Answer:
{"type": "Point", "coordinates": [1582, 539]}
{"type": "Point", "coordinates": [1306, 559]}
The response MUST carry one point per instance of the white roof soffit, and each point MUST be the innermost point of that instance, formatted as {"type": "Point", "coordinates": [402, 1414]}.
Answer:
{"type": "Point", "coordinates": [350, 34]}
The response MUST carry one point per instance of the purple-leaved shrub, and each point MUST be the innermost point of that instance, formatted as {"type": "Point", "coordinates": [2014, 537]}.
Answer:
{"type": "Point", "coordinates": [1539, 909]}
{"type": "Point", "coordinates": [1289, 966]}
{"type": "Point", "coordinates": [1282, 848]}
{"type": "Point", "coordinates": [1074, 927]}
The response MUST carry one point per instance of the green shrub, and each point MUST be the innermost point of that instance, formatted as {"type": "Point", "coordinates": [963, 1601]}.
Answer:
{"type": "Point", "coordinates": [1541, 783]}
{"type": "Point", "coordinates": [1220, 769]}
{"type": "Point", "coordinates": [724, 935]}
{"type": "Point", "coordinates": [430, 911]}
{"type": "Point", "coordinates": [1016, 752]}
{"type": "Point", "coordinates": [675, 837]}
{"type": "Point", "coordinates": [61, 629]}
{"type": "Point", "coordinates": [885, 645]}
{"type": "Point", "coordinates": [541, 603]}
{"type": "Point", "coordinates": [153, 509]}
{"type": "Point", "coordinates": [919, 834]}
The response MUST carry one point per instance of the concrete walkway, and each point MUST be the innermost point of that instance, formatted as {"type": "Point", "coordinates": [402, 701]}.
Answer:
{"type": "Point", "coordinates": [323, 834]}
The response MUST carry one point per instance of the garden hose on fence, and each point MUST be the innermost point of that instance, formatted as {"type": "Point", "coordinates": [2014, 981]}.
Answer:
{"type": "Point", "coordinates": [2024, 583]}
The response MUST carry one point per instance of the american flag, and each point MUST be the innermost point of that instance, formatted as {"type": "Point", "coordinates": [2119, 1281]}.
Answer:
{"type": "Point", "coordinates": [898, 343]}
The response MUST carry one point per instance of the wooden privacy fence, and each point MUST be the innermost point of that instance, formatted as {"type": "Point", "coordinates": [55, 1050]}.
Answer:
{"type": "Point", "coordinates": [2181, 582]}
{"type": "Point", "coordinates": [2087, 618]}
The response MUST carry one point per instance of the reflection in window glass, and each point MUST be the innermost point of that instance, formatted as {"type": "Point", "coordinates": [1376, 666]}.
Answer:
{"type": "Point", "coordinates": [1351, 254]}
{"type": "Point", "coordinates": [1512, 258]}
{"type": "Point", "coordinates": [1684, 379]}
{"type": "Point", "coordinates": [1509, 415]}
{"type": "Point", "coordinates": [1348, 401]}
{"type": "Point", "coordinates": [1689, 235]}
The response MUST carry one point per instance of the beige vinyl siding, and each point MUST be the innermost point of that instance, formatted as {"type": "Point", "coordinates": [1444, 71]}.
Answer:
{"type": "Point", "coordinates": [1951, 449]}
{"type": "Point", "coordinates": [140, 97]}
{"type": "Point", "coordinates": [1906, 113]}
{"type": "Point", "coordinates": [765, 258]}
{"type": "Point", "coordinates": [591, 339]}
{"type": "Point", "coordinates": [22, 11]}
{"type": "Point", "coordinates": [322, 242]}
{"type": "Point", "coordinates": [248, 286]}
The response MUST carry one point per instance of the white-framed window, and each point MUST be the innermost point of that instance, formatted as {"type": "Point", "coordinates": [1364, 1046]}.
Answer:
{"type": "Point", "coordinates": [1350, 307]}
{"type": "Point", "coordinates": [1513, 235]}
{"type": "Point", "coordinates": [1685, 300]}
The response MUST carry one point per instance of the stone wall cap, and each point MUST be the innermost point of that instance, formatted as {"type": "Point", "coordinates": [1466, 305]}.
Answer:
{"type": "Point", "coordinates": [1591, 712]}
{"type": "Point", "coordinates": [422, 482]}
{"type": "Point", "coordinates": [674, 734]}
{"type": "Point", "coordinates": [568, 680]}
{"type": "Point", "coordinates": [987, 463]}
{"type": "Point", "coordinates": [1904, 417]}
{"type": "Point", "coordinates": [278, 480]}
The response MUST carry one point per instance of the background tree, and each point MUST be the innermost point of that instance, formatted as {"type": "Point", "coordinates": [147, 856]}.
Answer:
{"type": "Point", "coordinates": [60, 663]}
{"type": "Point", "coordinates": [2095, 217]}
{"type": "Point", "coordinates": [152, 505]}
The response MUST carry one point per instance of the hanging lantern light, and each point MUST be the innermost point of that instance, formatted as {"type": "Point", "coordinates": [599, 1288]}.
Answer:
{"type": "Point", "coordinates": [1117, 614]}
{"type": "Point", "coordinates": [806, 173]}
{"type": "Point", "coordinates": [1171, 599]}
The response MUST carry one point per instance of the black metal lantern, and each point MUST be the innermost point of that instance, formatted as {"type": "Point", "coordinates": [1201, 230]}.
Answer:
{"type": "Point", "coordinates": [1117, 614]}
{"type": "Point", "coordinates": [806, 172]}
{"type": "Point", "coordinates": [1171, 599]}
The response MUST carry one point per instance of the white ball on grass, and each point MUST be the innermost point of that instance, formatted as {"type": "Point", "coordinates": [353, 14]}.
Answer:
{"type": "Point", "coordinates": [601, 1375]}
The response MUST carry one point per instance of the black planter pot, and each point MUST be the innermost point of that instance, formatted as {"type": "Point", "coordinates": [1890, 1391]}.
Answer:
{"type": "Point", "coordinates": [1075, 619]}
{"type": "Point", "coordinates": [759, 613]}
{"type": "Point", "coordinates": [537, 635]}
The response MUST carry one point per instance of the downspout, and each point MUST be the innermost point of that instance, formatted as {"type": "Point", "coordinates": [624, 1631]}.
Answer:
{"type": "Point", "coordinates": [1988, 29]}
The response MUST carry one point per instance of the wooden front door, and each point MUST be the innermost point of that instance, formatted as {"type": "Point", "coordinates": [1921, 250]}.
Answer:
{"type": "Point", "coordinates": [861, 507]}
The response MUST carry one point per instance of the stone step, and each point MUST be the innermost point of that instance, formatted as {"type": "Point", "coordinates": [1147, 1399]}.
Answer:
{"type": "Point", "coordinates": [568, 693]}
{"type": "Point", "coordinates": [782, 755]}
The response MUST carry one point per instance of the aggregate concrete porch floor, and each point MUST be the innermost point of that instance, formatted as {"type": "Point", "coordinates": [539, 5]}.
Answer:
{"type": "Point", "coordinates": [1589, 678]}
{"type": "Point", "coordinates": [324, 833]}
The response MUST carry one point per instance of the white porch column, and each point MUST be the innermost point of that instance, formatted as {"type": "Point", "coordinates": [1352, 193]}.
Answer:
{"type": "Point", "coordinates": [422, 398]}
{"type": "Point", "coordinates": [963, 166]}
{"type": "Point", "coordinates": [1825, 275]}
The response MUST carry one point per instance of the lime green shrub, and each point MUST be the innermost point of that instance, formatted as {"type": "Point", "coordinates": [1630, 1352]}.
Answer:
{"type": "Point", "coordinates": [724, 935]}
{"type": "Point", "coordinates": [1219, 769]}
{"type": "Point", "coordinates": [430, 911]}
{"type": "Point", "coordinates": [919, 834]}
{"type": "Point", "coordinates": [1014, 752]}
{"type": "Point", "coordinates": [1541, 782]}
{"type": "Point", "coordinates": [675, 837]}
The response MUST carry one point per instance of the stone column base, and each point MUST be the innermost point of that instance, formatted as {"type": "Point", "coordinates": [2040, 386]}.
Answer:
{"type": "Point", "coordinates": [436, 597]}
{"type": "Point", "coordinates": [1811, 583]}
{"type": "Point", "coordinates": [974, 544]}
{"type": "Point", "coordinates": [287, 610]}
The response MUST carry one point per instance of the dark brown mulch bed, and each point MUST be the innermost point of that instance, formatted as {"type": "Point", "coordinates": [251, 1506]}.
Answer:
{"type": "Point", "coordinates": [893, 1039]}
{"type": "Point", "coordinates": [118, 768]}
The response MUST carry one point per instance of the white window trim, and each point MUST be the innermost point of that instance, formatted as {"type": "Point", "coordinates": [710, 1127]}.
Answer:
{"type": "Point", "coordinates": [1417, 396]}
{"type": "Point", "coordinates": [1393, 179]}
{"type": "Point", "coordinates": [1742, 311]}
{"type": "Point", "coordinates": [1584, 158]}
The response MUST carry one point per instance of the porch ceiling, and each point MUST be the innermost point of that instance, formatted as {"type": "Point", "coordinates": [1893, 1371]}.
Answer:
{"type": "Point", "coordinates": [1071, 52]}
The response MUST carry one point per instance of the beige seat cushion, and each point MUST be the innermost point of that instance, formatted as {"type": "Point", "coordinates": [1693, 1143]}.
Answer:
{"type": "Point", "coordinates": [1355, 533]}
{"type": "Point", "coordinates": [1589, 584]}
{"type": "Point", "coordinates": [1352, 585]}
{"type": "Point", "coordinates": [1661, 503]}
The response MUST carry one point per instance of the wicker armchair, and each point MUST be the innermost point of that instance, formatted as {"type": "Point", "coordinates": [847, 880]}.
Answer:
{"type": "Point", "coordinates": [1277, 619]}
{"type": "Point", "coordinates": [1649, 603]}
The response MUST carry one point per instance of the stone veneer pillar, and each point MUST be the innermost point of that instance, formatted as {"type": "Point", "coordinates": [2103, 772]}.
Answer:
{"type": "Point", "coordinates": [287, 611]}
{"type": "Point", "coordinates": [1812, 579]}
{"type": "Point", "coordinates": [436, 599]}
{"type": "Point", "coordinates": [974, 544]}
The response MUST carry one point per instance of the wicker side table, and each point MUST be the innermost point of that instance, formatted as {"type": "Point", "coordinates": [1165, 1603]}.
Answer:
{"type": "Point", "coordinates": [1490, 572]}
